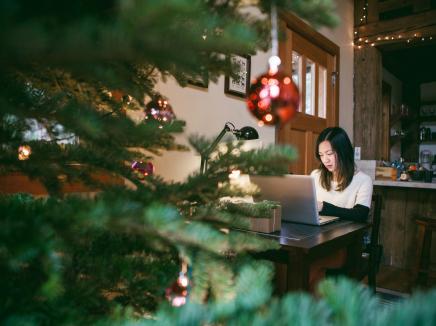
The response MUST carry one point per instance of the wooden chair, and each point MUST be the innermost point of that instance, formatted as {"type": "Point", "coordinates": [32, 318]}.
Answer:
{"type": "Point", "coordinates": [422, 269]}
{"type": "Point", "coordinates": [372, 250]}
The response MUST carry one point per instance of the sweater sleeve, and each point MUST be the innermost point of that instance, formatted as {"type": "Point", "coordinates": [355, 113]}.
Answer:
{"type": "Point", "coordinates": [359, 213]}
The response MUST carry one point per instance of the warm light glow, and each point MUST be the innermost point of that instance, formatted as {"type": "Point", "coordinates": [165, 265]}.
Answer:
{"type": "Point", "coordinates": [260, 123]}
{"type": "Point", "coordinates": [268, 117]}
{"type": "Point", "coordinates": [235, 174]}
{"type": "Point", "coordinates": [24, 152]}
{"type": "Point", "coordinates": [263, 93]}
{"type": "Point", "coordinates": [183, 280]}
{"type": "Point", "coordinates": [273, 81]}
{"type": "Point", "coordinates": [286, 80]}
{"type": "Point", "coordinates": [178, 301]}
{"type": "Point", "coordinates": [372, 44]}
{"type": "Point", "coordinates": [274, 91]}
{"type": "Point", "coordinates": [274, 61]}
{"type": "Point", "coordinates": [263, 104]}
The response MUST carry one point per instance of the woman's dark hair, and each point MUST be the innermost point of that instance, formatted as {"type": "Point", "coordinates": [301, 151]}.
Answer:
{"type": "Point", "coordinates": [341, 145]}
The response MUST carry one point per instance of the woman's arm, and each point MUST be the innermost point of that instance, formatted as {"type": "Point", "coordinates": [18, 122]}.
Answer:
{"type": "Point", "coordinates": [359, 213]}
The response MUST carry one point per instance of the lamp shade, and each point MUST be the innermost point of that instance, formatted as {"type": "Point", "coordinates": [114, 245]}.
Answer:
{"type": "Point", "coordinates": [246, 133]}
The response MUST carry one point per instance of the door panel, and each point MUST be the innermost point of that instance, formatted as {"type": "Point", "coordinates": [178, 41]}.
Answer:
{"type": "Point", "coordinates": [313, 66]}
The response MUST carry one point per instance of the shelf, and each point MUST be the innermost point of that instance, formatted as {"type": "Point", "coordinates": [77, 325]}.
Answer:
{"type": "Point", "coordinates": [430, 142]}
{"type": "Point", "coordinates": [394, 139]}
{"type": "Point", "coordinates": [427, 121]}
{"type": "Point", "coordinates": [394, 119]}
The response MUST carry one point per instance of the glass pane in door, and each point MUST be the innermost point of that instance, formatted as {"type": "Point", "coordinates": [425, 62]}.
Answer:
{"type": "Point", "coordinates": [322, 92]}
{"type": "Point", "coordinates": [296, 71]}
{"type": "Point", "coordinates": [310, 87]}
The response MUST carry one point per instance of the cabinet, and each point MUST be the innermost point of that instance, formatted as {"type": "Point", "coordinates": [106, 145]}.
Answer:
{"type": "Point", "coordinates": [403, 131]}
{"type": "Point", "coordinates": [427, 128]}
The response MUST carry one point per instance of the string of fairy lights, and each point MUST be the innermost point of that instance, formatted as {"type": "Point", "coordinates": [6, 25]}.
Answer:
{"type": "Point", "coordinates": [364, 16]}
{"type": "Point", "coordinates": [360, 42]}
{"type": "Point", "coordinates": [408, 37]}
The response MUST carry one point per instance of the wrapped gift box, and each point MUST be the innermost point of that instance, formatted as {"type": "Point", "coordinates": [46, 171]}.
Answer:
{"type": "Point", "coordinates": [386, 173]}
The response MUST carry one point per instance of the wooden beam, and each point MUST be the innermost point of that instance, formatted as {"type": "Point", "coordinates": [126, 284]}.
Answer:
{"type": "Point", "coordinates": [372, 11]}
{"type": "Point", "coordinates": [421, 5]}
{"type": "Point", "coordinates": [393, 4]}
{"type": "Point", "coordinates": [358, 11]}
{"type": "Point", "coordinates": [367, 102]}
{"type": "Point", "coordinates": [416, 23]}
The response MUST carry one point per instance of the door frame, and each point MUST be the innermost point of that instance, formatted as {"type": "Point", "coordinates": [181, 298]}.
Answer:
{"type": "Point", "coordinates": [292, 22]}
{"type": "Point", "coordinates": [289, 24]}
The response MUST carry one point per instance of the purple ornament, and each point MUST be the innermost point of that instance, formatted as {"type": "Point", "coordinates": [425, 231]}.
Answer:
{"type": "Point", "coordinates": [143, 168]}
{"type": "Point", "coordinates": [159, 110]}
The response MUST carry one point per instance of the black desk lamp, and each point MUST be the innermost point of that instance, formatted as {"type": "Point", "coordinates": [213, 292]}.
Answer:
{"type": "Point", "coordinates": [245, 133]}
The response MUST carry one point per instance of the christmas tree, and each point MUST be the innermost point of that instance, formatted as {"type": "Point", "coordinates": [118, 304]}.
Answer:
{"type": "Point", "coordinates": [72, 72]}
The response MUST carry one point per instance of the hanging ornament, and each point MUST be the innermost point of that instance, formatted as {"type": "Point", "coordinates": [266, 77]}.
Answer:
{"type": "Point", "coordinates": [177, 293]}
{"type": "Point", "coordinates": [143, 169]}
{"type": "Point", "coordinates": [24, 152]}
{"type": "Point", "coordinates": [159, 110]}
{"type": "Point", "coordinates": [273, 97]}
{"type": "Point", "coordinates": [117, 95]}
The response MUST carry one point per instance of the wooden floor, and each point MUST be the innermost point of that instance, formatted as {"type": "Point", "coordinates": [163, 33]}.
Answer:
{"type": "Point", "coordinates": [398, 280]}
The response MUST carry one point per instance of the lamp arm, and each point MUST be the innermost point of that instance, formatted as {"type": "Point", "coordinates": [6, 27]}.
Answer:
{"type": "Point", "coordinates": [205, 155]}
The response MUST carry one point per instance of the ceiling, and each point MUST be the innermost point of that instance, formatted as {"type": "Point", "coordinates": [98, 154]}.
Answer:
{"type": "Point", "coordinates": [412, 64]}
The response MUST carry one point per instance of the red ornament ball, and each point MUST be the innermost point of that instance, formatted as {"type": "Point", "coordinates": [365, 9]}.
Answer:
{"type": "Point", "coordinates": [273, 98]}
{"type": "Point", "coordinates": [159, 110]}
{"type": "Point", "coordinates": [143, 168]}
{"type": "Point", "coordinates": [177, 293]}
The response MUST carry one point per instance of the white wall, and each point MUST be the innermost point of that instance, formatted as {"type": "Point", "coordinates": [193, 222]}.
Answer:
{"type": "Point", "coordinates": [342, 35]}
{"type": "Point", "coordinates": [206, 110]}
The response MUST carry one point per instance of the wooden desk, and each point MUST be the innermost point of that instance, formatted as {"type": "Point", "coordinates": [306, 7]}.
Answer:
{"type": "Point", "coordinates": [301, 245]}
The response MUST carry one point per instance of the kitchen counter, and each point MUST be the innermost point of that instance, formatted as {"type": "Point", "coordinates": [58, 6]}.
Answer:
{"type": "Point", "coordinates": [402, 203]}
{"type": "Point", "coordinates": [406, 184]}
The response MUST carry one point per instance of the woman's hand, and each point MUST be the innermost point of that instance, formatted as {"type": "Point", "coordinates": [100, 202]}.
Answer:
{"type": "Point", "coordinates": [320, 206]}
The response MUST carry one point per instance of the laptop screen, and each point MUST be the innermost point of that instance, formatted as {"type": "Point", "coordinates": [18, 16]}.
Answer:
{"type": "Point", "coordinates": [296, 194]}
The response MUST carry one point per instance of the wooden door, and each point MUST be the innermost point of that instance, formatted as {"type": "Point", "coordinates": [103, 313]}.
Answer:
{"type": "Point", "coordinates": [313, 62]}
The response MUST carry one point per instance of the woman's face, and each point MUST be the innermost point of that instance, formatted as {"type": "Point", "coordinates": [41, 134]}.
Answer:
{"type": "Point", "coordinates": [328, 156]}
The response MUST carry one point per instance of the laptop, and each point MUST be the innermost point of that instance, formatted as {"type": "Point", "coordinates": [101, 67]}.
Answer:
{"type": "Point", "coordinates": [297, 196]}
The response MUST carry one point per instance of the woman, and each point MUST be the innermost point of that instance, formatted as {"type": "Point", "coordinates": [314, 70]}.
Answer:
{"type": "Point", "coordinates": [341, 190]}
